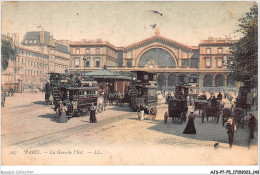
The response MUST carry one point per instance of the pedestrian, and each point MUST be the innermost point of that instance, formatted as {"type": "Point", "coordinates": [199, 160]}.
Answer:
{"type": "Point", "coordinates": [159, 97]}
{"type": "Point", "coordinates": [191, 101]}
{"type": "Point", "coordinates": [140, 112]}
{"type": "Point", "coordinates": [63, 117]}
{"type": "Point", "coordinates": [249, 101]}
{"type": "Point", "coordinates": [3, 96]}
{"type": "Point", "coordinates": [167, 98]}
{"type": "Point", "coordinates": [231, 128]}
{"type": "Point", "coordinates": [219, 96]}
{"type": "Point", "coordinates": [252, 125]}
{"type": "Point", "coordinates": [190, 127]}
{"type": "Point", "coordinates": [93, 118]}
{"type": "Point", "coordinates": [188, 100]}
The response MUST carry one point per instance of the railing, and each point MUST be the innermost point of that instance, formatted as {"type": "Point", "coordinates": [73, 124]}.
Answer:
{"type": "Point", "coordinates": [218, 89]}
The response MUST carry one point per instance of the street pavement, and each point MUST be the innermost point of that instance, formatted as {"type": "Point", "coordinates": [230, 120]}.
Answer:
{"type": "Point", "coordinates": [28, 123]}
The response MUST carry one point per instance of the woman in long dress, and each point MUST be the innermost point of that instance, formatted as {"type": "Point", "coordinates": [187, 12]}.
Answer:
{"type": "Point", "coordinates": [93, 118]}
{"type": "Point", "coordinates": [190, 128]}
{"type": "Point", "coordinates": [63, 117]}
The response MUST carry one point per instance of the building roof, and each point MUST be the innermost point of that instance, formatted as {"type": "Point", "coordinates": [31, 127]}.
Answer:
{"type": "Point", "coordinates": [105, 73]}
{"type": "Point", "coordinates": [61, 48]}
{"type": "Point", "coordinates": [35, 36]}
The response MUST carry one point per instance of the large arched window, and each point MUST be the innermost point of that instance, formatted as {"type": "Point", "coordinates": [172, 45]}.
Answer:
{"type": "Point", "coordinates": [230, 80]}
{"type": "Point", "coordinates": [161, 81]}
{"type": "Point", "coordinates": [207, 80]}
{"type": "Point", "coordinates": [158, 56]}
{"type": "Point", "coordinates": [172, 80]}
{"type": "Point", "coordinates": [219, 80]}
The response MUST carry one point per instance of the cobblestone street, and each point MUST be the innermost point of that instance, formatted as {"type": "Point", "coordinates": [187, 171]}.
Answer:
{"type": "Point", "coordinates": [118, 138]}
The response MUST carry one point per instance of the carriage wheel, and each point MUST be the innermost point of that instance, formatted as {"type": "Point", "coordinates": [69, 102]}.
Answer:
{"type": "Point", "coordinates": [217, 117]}
{"type": "Point", "coordinates": [202, 117]}
{"type": "Point", "coordinates": [165, 118]}
{"type": "Point", "coordinates": [182, 117]}
{"type": "Point", "coordinates": [243, 123]}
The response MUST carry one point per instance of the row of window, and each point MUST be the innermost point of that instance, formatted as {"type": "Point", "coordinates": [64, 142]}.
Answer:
{"type": "Point", "coordinates": [87, 93]}
{"type": "Point", "coordinates": [32, 63]}
{"type": "Point", "coordinates": [33, 55]}
{"type": "Point", "coordinates": [32, 72]}
{"type": "Point", "coordinates": [97, 51]}
{"type": "Point", "coordinates": [61, 67]}
{"type": "Point", "coordinates": [219, 62]}
{"type": "Point", "coordinates": [87, 51]}
{"type": "Point", "coordinates": [86, 62]}
{"type": "Point", "coordinates": [31, 41]}
{"type": "Point", "coordinates": [208, 50]}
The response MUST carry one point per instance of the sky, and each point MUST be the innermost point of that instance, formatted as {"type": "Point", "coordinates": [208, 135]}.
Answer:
{"type": "Point", "coordinates": [123, 23]}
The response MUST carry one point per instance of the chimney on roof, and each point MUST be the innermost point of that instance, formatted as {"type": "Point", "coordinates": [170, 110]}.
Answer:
{"type": "Point", "coordinates": [42, 37]}
{"type": "Point", "coordinates": [51, 40]}
{"type": "Point", "coordinates": [99, 40]}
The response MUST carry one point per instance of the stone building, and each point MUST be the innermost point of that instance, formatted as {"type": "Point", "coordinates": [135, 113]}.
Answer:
{"type": "Point", "coordinates": [38, 55]}
{"type": "Point", "coordinates": [170, 60]}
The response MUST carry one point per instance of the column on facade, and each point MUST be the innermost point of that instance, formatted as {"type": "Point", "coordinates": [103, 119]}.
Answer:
{"type": "Point", "coordinates": [213, 79]}
{"type": "Point", "coordinates": [201, 80]}
{"type": "Point", "coordinates": [115, 86]}
{"type": "Point", "coordinates": [225, 80]}
{"type": "Point", "coordinates": [123, 86]}
{"type": "Point", "coordinates": [166, 80]}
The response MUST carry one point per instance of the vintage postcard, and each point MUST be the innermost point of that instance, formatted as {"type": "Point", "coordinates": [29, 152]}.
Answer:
{"type": "Point", "coordinates": [129, 83]}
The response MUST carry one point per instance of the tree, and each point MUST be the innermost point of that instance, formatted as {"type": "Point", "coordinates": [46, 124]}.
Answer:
{"type": "Point", "coordinates": [7, 52]}
{"type": "Point", "coordinates": [243, 61]}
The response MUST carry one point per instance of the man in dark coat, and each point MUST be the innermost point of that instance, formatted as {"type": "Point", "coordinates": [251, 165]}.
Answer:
{"type": "Point", "coordinates": [231, 128]}
{"type": "Point", "coordinates": [251, 125]}
{"type": "Point", "coordinates": [219, 96]}
{"type": "Point", "coordinates": [214, 102]}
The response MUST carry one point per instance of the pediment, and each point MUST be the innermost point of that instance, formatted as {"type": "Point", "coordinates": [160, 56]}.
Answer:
{"type": "Point", "coordinates": [158, 39]}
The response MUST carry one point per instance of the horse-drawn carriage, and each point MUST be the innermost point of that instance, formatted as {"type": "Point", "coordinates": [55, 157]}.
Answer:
{"type": "Point", "coordinates": [209, 108]}
{"type": "Point", "coordinates": [177, 110]}
{"type": "Point", "coordinates": [177, 107]}
{"type": "Point", "coordinates": [142, 93]}
{"type": "Point", "coordinates": [73, 92]}
{"type": "Point", "coordinates": [237, 115]}
{"type": "Point", "coordinates": [210, 111]}
{"type": "Point", "coordinates": [145, 96]}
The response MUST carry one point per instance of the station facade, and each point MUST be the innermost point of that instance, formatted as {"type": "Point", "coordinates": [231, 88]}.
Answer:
{"type": "Point", "coordinates": [170, 60]}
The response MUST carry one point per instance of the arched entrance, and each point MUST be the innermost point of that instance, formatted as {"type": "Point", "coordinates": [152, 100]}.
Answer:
{"type": "Point", "coordinates": [158, 56]}
{"type": "Point", "coordinates": [182, 79]}
{"type": "Point", "coordinates": [172, 80]}
{"type": "Point", "coordinates": [207, 80]}
{"type": "Point", "coordinates": [230, 80]}
{"type": "Point", "coordinates": [161, 81]}
{"type": "Point", "coordinates": [219, 80]}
